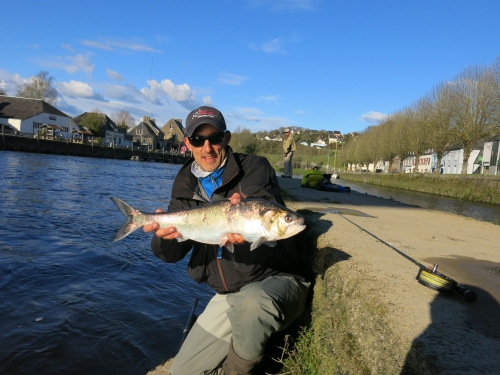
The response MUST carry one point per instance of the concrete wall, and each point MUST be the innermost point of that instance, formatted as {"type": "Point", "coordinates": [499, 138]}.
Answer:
{"type": "Point", "coordinates": [45, 146]}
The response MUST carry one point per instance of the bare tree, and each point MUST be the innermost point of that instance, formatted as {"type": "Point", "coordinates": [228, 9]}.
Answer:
{"type": "Point", "coordinates": [439, 121]}
{"type": "Point", "coordinates": [123, 119]}
{"type": "Point", "coordinates": [242, 140]}
{"type": "Point", "coordinates": [475, 104]}
{"type": "Point", "coordinates": [418, 118]}
{"type": "Point", "coordinates": [2, 92]}
{"type": "Point", "coordinates": [387, 141]}
{"type": "Point", "coordinates": [400, 137]}
{"type": "Point", "coordinates": [39, 86]}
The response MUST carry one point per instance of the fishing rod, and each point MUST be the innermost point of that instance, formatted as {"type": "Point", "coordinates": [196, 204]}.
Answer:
{"type": "Point", "coordinates": [429, 278]}
{"type": "Point", "coordinates": [189, 322]}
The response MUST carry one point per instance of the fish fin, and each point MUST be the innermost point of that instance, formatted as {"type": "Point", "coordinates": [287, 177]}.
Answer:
{"type": "Point", "coordinates": [129, 226]}
{"type": "Point", "coordinates": [230, 247]}
{"type": "Point", "coordinates": [180, 239]}
{"type": "Point", "coordinates": [223, 241]}
{"type": "Point", "coordinates": [270, 243]}
{"type": "Point", "coordinates": [257, 243]}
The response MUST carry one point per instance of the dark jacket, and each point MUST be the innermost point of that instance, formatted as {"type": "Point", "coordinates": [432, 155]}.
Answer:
{"type": "Point", "coordinates": [256, 179]}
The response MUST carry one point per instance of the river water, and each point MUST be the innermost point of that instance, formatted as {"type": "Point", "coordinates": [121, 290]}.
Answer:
{"type": "Point", "coordinates": [478, 211]}
{"type": "Point", "coordinates": [72, 301]}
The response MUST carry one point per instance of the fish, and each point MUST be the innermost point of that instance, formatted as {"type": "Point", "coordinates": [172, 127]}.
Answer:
{"type": "Point", "coordinates": [259, 221]}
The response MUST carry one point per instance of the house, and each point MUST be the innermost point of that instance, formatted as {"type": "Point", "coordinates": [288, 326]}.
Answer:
{"type": "Point", "coordinates": [173, 134]}
{"type": "Point", "coordinates": [319, 144]}
{"type": "Point", "coordinates": [25, 116]}
{"type": "Point", "coordinates": [105, 128]}
{"type": "Point", "coordinates": [50, 131]}
{"type": "Point", "coordinates": [335, 137]}
{"type": "Point", "coordinates": [81, 135]}
{"type": "Point", "coordinates": [147, 134]}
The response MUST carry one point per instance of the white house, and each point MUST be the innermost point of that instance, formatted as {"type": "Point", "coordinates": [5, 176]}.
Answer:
{"type": "Point", "coordinates": [26, 115]}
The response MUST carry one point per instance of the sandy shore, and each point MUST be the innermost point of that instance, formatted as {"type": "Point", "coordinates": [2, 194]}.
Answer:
{"type": "Point", "coordinates": [457, 336]}
{"type": "Point", "coordinates": [448, 334]}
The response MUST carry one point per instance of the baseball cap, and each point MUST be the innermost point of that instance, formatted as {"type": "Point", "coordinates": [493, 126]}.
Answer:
{"type": "Point", "coordinates": [204, 115]}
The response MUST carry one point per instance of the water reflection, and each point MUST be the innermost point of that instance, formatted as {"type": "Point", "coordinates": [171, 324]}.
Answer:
{"type": "Point", "coordinates": [478, 211]}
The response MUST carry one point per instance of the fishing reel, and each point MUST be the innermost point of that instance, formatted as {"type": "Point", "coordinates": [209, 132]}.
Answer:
{"type": "Point", "coordinates": [442, 283]}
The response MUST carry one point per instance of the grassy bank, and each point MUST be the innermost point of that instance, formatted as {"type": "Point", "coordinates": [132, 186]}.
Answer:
{"type": "Point", "coordinates": [473, 188]}
{"type": "Point", "coordinates": [347, 329]}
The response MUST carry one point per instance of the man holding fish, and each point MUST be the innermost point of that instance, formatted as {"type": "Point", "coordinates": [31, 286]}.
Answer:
{"type": "Point", "coordinates": [261, 286]}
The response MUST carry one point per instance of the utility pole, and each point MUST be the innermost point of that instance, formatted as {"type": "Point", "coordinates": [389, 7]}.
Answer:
{"type": "Point", "coordinates": [335, 159]}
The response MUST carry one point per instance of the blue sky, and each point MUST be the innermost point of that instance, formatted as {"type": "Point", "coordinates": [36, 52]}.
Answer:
{"type": "Point", "coordinates": [319, 64]}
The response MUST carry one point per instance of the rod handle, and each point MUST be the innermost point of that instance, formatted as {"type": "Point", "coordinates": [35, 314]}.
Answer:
{"type": "Point", "coordinates": [469, 295]}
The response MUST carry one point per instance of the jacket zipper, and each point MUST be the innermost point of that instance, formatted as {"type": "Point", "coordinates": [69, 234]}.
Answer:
{"type": "Point", "coordinates": [219, 265]}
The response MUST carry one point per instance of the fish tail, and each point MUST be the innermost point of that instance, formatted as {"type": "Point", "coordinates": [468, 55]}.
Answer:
{"type": "Point", "coordinates": [129, 226]}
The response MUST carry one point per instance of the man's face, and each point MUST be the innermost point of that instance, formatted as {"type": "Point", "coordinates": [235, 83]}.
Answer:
{"type": "Point", "coordinates": [208, 156]}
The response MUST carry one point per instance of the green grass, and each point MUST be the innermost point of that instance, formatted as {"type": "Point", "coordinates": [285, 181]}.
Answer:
{"type": "Point", "coordinates": [473, 188]}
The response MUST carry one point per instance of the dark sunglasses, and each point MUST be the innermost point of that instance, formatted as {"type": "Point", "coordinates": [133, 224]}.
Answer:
{"type": "Point", "coordinates": [199, 141]}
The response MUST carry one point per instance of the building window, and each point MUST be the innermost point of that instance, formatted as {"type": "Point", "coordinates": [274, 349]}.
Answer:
{"type": "Point", "coordinates": [53, 118]}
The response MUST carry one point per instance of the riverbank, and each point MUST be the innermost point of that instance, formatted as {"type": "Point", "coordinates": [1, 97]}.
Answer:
{"type": "Point", "coordinates": [368, 313]}
{"type": "Point", "coordinates": [473, 188]}
{"type": "Point", "coordinates": [67, 148]}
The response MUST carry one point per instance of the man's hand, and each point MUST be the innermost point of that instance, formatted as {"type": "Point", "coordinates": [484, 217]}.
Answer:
{"type": "Point", "coordinates": [235, 238]}
{"type": "Point", "coordinates": [168, 233]}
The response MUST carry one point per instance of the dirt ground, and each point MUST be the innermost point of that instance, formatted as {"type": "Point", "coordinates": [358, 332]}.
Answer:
{"type": "Point", "coordinates": [457, 336]}
{"type": "Point", "coordinates": [449, 334]}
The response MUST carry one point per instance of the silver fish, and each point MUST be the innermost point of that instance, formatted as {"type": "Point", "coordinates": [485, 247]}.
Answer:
{"type": "Point", "coordinates": [257, 220]}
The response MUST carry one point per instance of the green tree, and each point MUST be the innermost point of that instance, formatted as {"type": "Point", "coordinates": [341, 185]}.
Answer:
{"type": "Point", "coordinates": [242, 140]}
{"type": "Point", "coordinates": [93, 121]}
{"type": "Point", "coordinates": [39, 86]}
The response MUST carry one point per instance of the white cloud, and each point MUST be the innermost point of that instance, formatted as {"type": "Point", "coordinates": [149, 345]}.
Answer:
{"type": "Point", "coordinates": [181, 94]}
{"type": "Point", "coordinates": [232, 79]}
{"type": "Point", "coordinates": [79, 90]}
{"type": "Point", "coordinates": [36, 46]}
{"type": "Point", "coordinates": [80, 62]}
{"type": "Point", "coordinates": [273, 46]}
{"type": "Point", "coordinates": [72, 64]}
{"type": "Point", "coordinates": [207, 100]}
{"type": "Point", "coordinates": [128, 93]}
{"type": "Point", "coordinates": [299, 112]}
{"type": "Point", "coordinates": [117, 45]}
{"type": "Point", "coordinates": [269, 98]}
{"type": "Point", "coordinates": [114, 75]}
{"type": "Point", "coordinates": [67, 47]}
{"type": "Point", "coordinates": [67, 108]}
{"type": "Point", "coordinates": [277, 45]}
{"type": "Point", "coordinates": [285, 5]}
{"type": "Point", "coordinates": [373, 117]}
{"type": "Point", "coordinates": [255, 119]}
{"type": "Point", "coordinates": [9, 81]}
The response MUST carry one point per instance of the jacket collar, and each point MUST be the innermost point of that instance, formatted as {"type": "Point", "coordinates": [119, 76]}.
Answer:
{"type": "Point", "coordinates": [186, 183]}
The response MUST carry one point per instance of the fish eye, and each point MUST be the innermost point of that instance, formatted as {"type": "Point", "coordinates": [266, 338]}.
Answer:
{"type": "Point", "coordinates": [288, 218]}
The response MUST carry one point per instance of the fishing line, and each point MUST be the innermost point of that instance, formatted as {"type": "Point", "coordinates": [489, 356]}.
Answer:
{"type": "Point", "coordinates": [429, 278]}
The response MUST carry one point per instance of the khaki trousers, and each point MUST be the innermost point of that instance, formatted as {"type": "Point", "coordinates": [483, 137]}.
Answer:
{"type": "Point", "coordinates": [288, 168]}
{"type": "Point", "coordinates": [249, 317]}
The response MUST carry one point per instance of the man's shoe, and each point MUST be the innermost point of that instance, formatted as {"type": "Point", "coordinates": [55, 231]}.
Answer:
{"type": "Point", "coordinates": [235, 365]}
